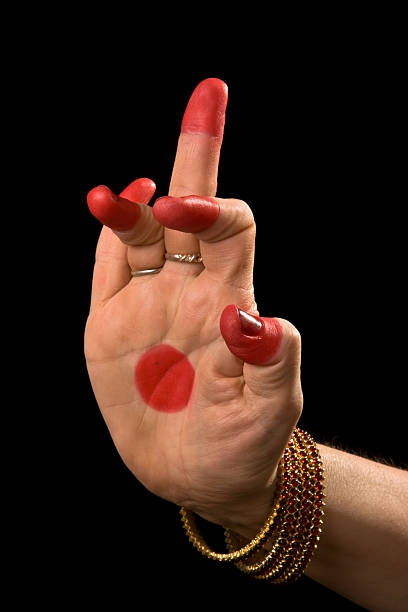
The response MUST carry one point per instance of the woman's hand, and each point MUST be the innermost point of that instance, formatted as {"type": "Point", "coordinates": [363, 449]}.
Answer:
{"type": "Point", "coordinates": [199, 408]}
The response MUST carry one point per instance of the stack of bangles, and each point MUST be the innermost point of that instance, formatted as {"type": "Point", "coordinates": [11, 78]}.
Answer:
{"type": "Point", "coordinates": [292, 530]}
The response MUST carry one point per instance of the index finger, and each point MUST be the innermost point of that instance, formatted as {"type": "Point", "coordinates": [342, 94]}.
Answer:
{"type": "Point", "coordinates": [195, 169]}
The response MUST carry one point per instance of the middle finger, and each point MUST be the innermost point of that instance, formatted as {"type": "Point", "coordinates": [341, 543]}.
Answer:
{"type": "Point", "coordinates": [195, 169]}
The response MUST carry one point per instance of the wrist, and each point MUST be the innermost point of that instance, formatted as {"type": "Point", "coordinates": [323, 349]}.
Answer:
{"type": "Point", "coordinates": [290, 534]}
{"type": "Point", "coordinates": [244, 516]}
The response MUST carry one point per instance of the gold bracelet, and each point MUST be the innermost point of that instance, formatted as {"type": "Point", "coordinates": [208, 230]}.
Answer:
{"type": "Point", "coordinates": [246, 550]}
{"type": "Point", "coordinates": [292, 492]}
{"type": "Point", "coordinates": [300, 517]}
{"type": "Point", "coordinates": [293, 526]}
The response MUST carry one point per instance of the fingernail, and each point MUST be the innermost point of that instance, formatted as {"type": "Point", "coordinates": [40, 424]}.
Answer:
{"type": "Point", "coordinates": [250, 326]}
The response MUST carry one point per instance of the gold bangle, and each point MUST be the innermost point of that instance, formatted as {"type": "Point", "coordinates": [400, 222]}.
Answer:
{"type": "Point", "coordinates": [246, 550]}
{"type": "Point", "coordinates": [278, 554]}
{"type": "Point", "coordinates": [300, 517]}
{"type": "Point", "coordinates": [293, 526]}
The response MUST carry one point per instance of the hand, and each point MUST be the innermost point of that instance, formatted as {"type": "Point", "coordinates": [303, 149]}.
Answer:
{"type": "Point", "coordinates": [208, 432]}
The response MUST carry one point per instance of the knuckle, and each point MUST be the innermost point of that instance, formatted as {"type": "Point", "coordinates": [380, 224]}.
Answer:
{"type": "Point", "coordinates": [146, 232]}
{"type": "Point", "coordinates": [236, 217]}
{"type": "Point", "coordinates": [292, 345]}
{"type": "Point", "coordinates": [243, 213]}
{"type": "Point", "coordinates": [294, 404]}
{"type": "Point", "coordinates": [295, 337]}
{"type": "Point", "coordinates": [292, 335]}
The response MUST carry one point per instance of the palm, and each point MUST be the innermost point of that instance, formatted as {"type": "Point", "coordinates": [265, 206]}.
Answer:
{"type": "Point", "coordinates": [172, 454]}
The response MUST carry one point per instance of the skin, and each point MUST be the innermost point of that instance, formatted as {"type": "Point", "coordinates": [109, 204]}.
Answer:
{"type": "Point", "coordinates": [187, 456]}
{"type": "Point", "coordinates": [216, 450]}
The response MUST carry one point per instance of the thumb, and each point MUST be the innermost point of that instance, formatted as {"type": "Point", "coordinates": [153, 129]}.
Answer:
{"type": "Point", "coordinates": [270, 349]}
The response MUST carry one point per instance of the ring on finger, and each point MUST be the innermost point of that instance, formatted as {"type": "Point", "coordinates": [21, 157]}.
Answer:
{"type": "Point", "coordinates": [177, 257]}
{"type": "Point", "coordinates": [184, 257]}
{"type": "Point", "coordinates": [143, 272]}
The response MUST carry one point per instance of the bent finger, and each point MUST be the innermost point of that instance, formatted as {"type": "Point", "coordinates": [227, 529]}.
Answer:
{"type": "Point", "coordinates": [225, 229]}
{"type": "Point", "coordinates": [132, 221]}
{"type": "Point", "coordinates": [112, 270]}
{"type": "Point", "coordinates": [271, 351]}
{"type": "Point", "coordinates": [126, 214]}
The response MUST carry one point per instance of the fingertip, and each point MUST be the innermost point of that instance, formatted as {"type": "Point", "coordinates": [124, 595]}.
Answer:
{"type": "Point", "coordinates": [141, 190]}
{"type": "Point", "coordinates": [99, 198]}
{"type": "Point", "coordinates": [205, 110]}
{"type": "Point", "coordinates": [253, 339]}
{"type": "Point", "coordinates": [191, 214]}
{"type": "Point", "coordinates": [113, 211]}
{"type": "Point", "coordinates": [218, 87]}
{"type": "Point", "coordinates": [235, 328]}
{"type": "Point", "coordinates": [229, 324]}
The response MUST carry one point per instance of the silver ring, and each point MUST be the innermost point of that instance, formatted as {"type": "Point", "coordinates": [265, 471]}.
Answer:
{"type": "Point", "coordinates": [184, 257]}
{"type": "Point", "coordinates": [143, 272]}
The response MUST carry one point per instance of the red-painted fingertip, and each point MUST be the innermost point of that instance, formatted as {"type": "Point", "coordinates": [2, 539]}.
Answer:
{"type": "Point", "coordinates": [190, 214]}
{"type": "Point", "coordinates": [113, 211]}
{"type": "Point", "coordinates": [141, 190]}
{"type": "Point", "coordinates": [205, 110]}
{"type": "Point", "coordinates": [251, 338]}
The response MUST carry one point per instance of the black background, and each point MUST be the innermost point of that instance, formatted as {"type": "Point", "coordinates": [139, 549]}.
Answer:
{"type": "Point", "coordinates": [310, 143]}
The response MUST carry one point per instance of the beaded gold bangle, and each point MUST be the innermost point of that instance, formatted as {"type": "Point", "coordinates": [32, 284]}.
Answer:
{"type": "Point", "coordinates": [246, 550]}
{"type": "Point", "coordinates": [293, 527]}
{"type": "Point", "coordinates": [300, 518]}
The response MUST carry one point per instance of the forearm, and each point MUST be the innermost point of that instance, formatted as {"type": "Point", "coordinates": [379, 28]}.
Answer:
{"type": "Point", "coordinates": [363, 550]}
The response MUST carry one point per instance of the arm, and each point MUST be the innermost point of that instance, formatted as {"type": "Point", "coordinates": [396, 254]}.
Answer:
{"type": "Point", "coordinates": [363, 550]}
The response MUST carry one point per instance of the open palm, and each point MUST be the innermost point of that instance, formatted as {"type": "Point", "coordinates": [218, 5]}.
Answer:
{"type": "Point", "coordinates": [197, 422]}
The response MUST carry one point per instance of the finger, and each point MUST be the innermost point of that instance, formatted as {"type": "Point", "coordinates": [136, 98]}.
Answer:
{"type": "Point", "coordinates": [132, 221]}
{"type": "Point", "coordinates": [225, 229]}
{"type": "Point", "coordinates": [196, 164]}
{"type": "Point", "coordinates": [271, 351]}
{"type": "Point", "coordinates": [118, 213]}
{"type": "Point", "coordinates": [112, 269]}
{"type": "Point", "coordinates": [127, 215]}
{"type": "Point", "coordinates": [270, 348]}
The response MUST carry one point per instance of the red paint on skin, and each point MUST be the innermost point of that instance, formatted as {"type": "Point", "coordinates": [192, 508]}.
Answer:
{"type": "Point", "coordinates": [188, 214]}
{"type": "Point", "coordinates": [141, 190]}
{"type": "Point", "coordinates": [164, 378]}
{"type": "Point", "coordinates": [120, 213]}
{"type": "Point", "coordinates": [255, 346]}
{"type": "Point", "coordinates": [205, 110]}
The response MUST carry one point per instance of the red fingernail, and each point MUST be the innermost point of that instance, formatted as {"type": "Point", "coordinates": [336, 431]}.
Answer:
{"type": "Point", "coordinates": [205, 110]}
{"type": "Point", "coordinates": [190, 214]}
{"type": "Point", "coordinates": [249, 325]}
{"type": "Point", "coordinates": [113, 211]}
